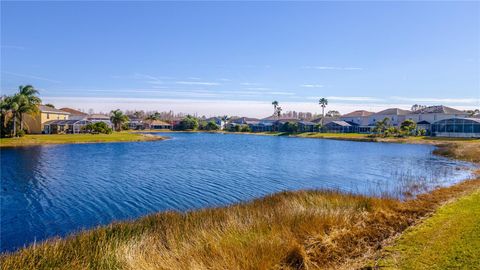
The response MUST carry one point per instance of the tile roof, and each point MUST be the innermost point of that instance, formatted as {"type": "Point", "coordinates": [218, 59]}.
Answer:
{"type": "Point", "coordinates": [340, 123]}
{"type": "Point", "coordinates": [156, 123]}
{"type": "Point", "coordinates": [358, 113]}
{"type": "Point", "coordinates": [393, 111]}
{"type": "Point", "coordinates": [439, 109]}
{"type": "Point", "coordinates": [49, 109]}
{"type": "Point", "coordinates": [73, 111]}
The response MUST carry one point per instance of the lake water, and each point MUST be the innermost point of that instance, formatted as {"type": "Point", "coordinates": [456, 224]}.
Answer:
{"type": "Point", "coordinates": [59, 189]}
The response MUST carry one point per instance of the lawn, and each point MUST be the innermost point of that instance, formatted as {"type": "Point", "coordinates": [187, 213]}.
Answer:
{"type": "Point", "coordinates": [75, 138]}
{"type": "Point", "coordinates": [450, 239]}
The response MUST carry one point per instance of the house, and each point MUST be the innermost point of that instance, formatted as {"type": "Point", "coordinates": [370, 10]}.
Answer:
{"type": "Point", "coordinates": [134, 122]}
{"type": "Point", "coordinates": [35, 123]}
{"type": "Point", "coordinates": [156, 124]}
{"type": "Point", "coordinates": [425, 125]}
{"type": "Point", "coordinates": [395, 116]}
{"type": "Point", "coordinates": [217, 120]}
{"type": "Point", "coordinates": [95, 118]}
{"type": "Point", "coordinates": [73, 126]}
{"type": "Point", "coordinates": [436, 113]}
{"type": "Point", "coordinates": [243, 120]}
{"type": "Point", "coordinates": [306, 126]}
{"type": "Point", "coordinates": [360, 117]}
{"type": "Point", "coordinates": [339, 127]}
{"type": "Point", "coordinates": [75, 114]}
{"type": "Point", "coordinates": [457, 127]}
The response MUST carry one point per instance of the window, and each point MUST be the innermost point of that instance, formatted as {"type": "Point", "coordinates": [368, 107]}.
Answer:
{"type": "Point", "coordinates": [48, 116]}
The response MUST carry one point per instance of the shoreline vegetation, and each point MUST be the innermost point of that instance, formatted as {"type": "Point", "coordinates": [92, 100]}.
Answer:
{"type": "Point", "coordinates": [44, 139]}
{"type": "Point", "coordinates": [289, 230]}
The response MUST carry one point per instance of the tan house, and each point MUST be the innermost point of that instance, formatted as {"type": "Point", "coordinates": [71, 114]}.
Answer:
{"type": "Point", "coordinates": [35, 123]}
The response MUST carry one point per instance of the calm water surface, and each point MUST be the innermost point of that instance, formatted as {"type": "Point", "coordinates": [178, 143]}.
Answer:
{"type": "Point", "coordinates": [55, 190]}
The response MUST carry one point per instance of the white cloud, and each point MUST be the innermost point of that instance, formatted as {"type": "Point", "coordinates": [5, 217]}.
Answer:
{"type": "Point", "coordinates": [31, 77]}
{"type": "Point", "coordinates": [312, 85]}
{"type": "Point", "coordinates": [249, 84]}
{"type": "Point", "coordinates": [197, 83]}
{"type": "Point", "coordinates": [332, 68]}
{"type": "Point", "coordinates": [258, 88]}
{"type": "Point", "coordinates": [438, 100]}
{"type": "Point", "coordinates": [12, 47]}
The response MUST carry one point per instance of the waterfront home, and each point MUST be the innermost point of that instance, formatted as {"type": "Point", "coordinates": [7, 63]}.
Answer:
{"type": "Point", "coordinates": [360, 117]}
{"type": "Point", "coordinates": [34, 123]}
{"type": "Point", "coordinates": [339, 126]}
{"type": "Point", "coordinates": [217, 120]}
{"type": "Point", "coordinates": [435, 113]}
{"type": "Point", "coordinates": [457, 127]}
{"type": "Point", "coordinates": [156, 124]}
{"type": "Point", "coordinates": [94, 118]}
{"type": "Point", "coordinates": [244, 120]}
{"type": "Point", "coordinates": [75, 114]}
{"type": "Point", "coordinates": [395, 116]}
{"type": "Point", "coordinates": [306, 126]}
{"type": "Point", "coordinates": [134, 122]}
{"type": "Point", "coordinates": [72, 126]}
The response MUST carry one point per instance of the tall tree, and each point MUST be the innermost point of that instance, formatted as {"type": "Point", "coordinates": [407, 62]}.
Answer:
{"type": "Point", "coordinates": [118, 118]}
{"type": "Point", "coordinates": [323, 103]}
{"type": "Point", "coordinates": [28, 104]}
{"type": "Point", "coordinates": [275, 106]}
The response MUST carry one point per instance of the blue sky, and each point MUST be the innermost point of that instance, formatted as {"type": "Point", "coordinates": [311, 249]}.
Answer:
{"type": "Point", "coordinates": [235, 58]}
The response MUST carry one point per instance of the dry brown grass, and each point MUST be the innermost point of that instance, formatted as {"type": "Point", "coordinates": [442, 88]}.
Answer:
{"type": "Point", "coordinates": [290, 230]}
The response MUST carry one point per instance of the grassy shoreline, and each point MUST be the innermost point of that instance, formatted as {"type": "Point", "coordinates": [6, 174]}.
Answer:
{"type": "Point", "coordinates": [33, 140]}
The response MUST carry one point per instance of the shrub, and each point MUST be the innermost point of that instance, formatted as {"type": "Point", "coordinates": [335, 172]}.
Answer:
{"type": "Point", "coordinates": [21, 133]}
{"type": "Point", "coordinates": [245, 128]}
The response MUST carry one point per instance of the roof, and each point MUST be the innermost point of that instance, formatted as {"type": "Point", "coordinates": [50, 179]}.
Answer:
{"type": "Point", "coordinates": [439, 109]}
{"type": "Point", "coordinates": [307, 123]}
{"type": "Point", "coordinates": [358, 113]}
{"type": "Point", "coordinates": [98, 116]}
{"type": "Point", "coordinates": [64, 122]}
{"type": "Point", "coordinates": [393, 111]}
{"type": "Point", "coordinates": [325, 120]}
{"type": "Point", "coordinates": [73, 111]}
{"type": "Point", "coordinates": [476, 120]}
{"type": "Point", "coordinates": [156, 123]}
{"type": "Point", "coordinates": [340, 123]}
{"type": "Point", "coordinates": [49, 109]}
{"type": "Point", "coordinates": [281, 118]}
{"type": "Point", "coordinates": [423, 122]}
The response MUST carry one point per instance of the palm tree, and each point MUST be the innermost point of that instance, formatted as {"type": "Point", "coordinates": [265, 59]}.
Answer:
{"type": "Point", "coordinates": [323, 103]}
{"type": "Point", "coordinates": [275, 105]}
{"type": "Point", "coordinates": [29, 103]}
{"type": "Point", "coordinates": [14, 106]}
{"type": "Point", "coordinates": [118, 118]}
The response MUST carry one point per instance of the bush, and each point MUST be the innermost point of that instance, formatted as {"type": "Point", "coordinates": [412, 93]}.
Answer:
{"type": "Point", "coordinates": [188, 123]}
{"type": "Point", "coordinates": [20, 133]}
{"type": "Point", "coordinates": [98, 127]}
{"type": "Point", "coordinates": [245, 128]}
{"type": "Point", "coordinates": [211, 126]}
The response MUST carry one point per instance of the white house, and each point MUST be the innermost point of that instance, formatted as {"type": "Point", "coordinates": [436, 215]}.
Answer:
{"type": "Point", "coordinates": [395, 115]}
{"type": "Point", "coordinates": [436, 113]}
{"type": "Point", "coordinates": [359, 118]}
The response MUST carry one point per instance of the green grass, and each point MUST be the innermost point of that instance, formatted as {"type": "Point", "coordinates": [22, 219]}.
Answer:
{"type": "Point", "coordinates": [450, 239]}
{"type": "Point", "coordinates": [75, 138]}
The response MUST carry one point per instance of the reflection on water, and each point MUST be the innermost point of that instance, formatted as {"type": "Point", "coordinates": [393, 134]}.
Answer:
{"type": "Point", "coordinates": [55, 190]}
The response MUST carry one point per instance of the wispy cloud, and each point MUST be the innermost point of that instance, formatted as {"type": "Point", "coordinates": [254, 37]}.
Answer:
{"type": "Point", "coordinates": [31, 77]}
{"type": "Point", "coordinates": [332, 68]}
{"type": "Point", "coordinates": [312, 85]}
{"type": "Point", "coordinates": [437, 100]}
{"type": "Point", "coordinates": [197, 83]}
{"type": "Point", "coordinates": [249, 84]}
{"type": "Point", "coordinates": [348, 98]}
{"type": "Point", "coordinates": [258, 88]}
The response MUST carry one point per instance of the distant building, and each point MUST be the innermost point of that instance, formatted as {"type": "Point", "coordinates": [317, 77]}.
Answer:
{"type": "Point", "coordinates": [134, 122]}
{"type": "Point", "coordinates": [457, 127]}
{"type": "Point", "coordinates": [34, 123]}
{"type": "Point", "coordinates": [395, 116]}
{"type": "Point", "coordinates": [95, 118]}
{"type": "Point", "coordinates": [156, 124]}
{"type": "Point", "coordinates": [75, 114]}
{"type": "Point", "coordinates": [360, 117]}
{"type": "Point", "coordinates": [435, 113]}
{"type": "Point", "coordinates": [339, 127]}
{"type": "Point", "coordinates": [217, 120]}
{"type": "Point", "coordinates": [73, 126]}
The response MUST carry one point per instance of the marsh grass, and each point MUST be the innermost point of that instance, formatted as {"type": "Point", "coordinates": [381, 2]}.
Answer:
{"type": "Point", "coordinates": [289, 230]}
